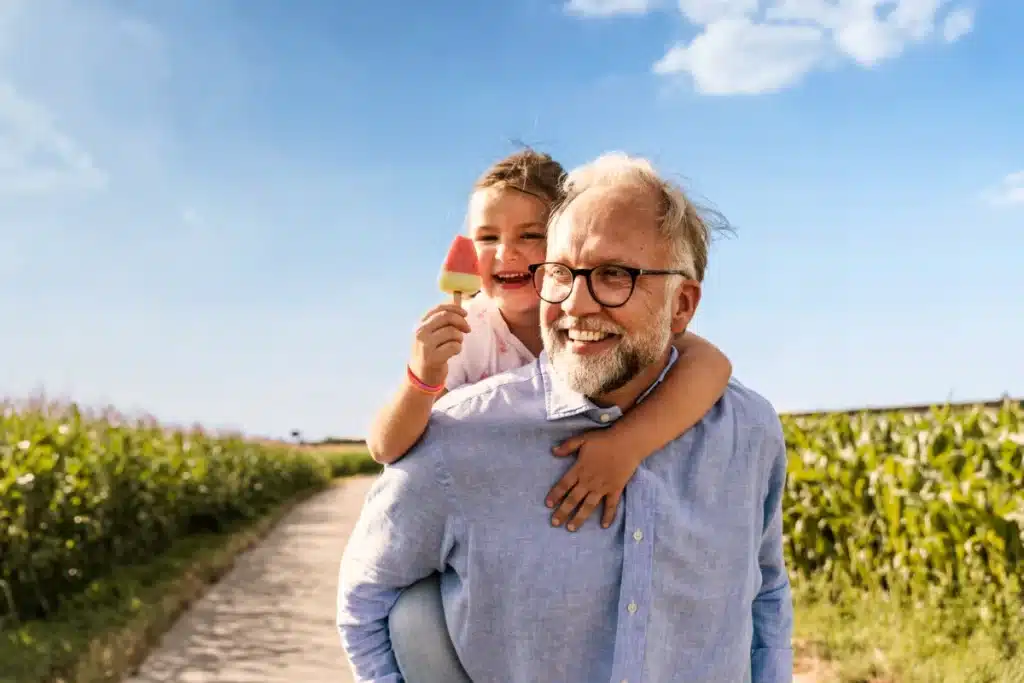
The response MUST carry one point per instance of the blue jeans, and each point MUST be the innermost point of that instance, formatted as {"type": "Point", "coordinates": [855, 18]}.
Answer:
{"type": "Point", "coordinates": [419, 636]}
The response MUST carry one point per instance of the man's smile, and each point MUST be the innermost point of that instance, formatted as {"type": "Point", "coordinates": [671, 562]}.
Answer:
{"type": "Point", "coordinates": [585, 342]}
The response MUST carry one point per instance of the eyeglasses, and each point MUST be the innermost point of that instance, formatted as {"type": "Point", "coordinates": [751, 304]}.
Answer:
{"type": "Point", "coordinates": [610, 285]}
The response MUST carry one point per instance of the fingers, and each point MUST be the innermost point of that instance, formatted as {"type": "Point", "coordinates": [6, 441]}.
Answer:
{"type": "Point", "coordinates": [569, 446]}
{"type": "Point", "coordinates": [590, 503]}
{"type": "Point", "coordinates": [558, 491]}
{"type": "Point", "coordinates": [439, 337]}
{"type": "Point", "coordinates": [442, 319]}
{"type": "Point", "coordinates": [576, 496]}
{"type": "Point", "coordinates": [611, 506]}
{"type": "Point", "coordinates": [442, 309]}
{"type": "Point", "coordinates": [447, 350]}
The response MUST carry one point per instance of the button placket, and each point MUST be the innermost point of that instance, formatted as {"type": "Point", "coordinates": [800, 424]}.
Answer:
{"type": "Point", "coordinates": [636, 580]}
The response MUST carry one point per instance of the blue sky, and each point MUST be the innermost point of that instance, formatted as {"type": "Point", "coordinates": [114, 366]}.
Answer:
{"type": "Point", "coordinates": [233, 211]}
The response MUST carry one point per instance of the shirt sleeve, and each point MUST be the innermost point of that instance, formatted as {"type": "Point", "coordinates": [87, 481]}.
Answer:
{"type": "Point", "coordinates": [403, 534]}
{"type": "Point", "coordinates": [771, 649]}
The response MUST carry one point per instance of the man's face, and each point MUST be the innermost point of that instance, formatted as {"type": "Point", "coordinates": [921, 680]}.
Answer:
{"type": "Point", "coordinates": [598, 350]}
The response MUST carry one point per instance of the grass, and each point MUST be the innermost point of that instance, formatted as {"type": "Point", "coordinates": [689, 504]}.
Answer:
{"type": "Point", "coordinates": [871, 640]}
{"type": "Point", "coordinates": [348, 461]}
{"type": "Point", "coordinates": [102, 637]}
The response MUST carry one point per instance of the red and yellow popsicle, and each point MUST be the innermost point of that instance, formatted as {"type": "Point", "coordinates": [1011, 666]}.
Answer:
{"type": "Point", "coordinates": [460, 274]}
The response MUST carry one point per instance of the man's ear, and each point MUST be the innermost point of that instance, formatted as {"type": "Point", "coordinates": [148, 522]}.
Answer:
{"type": "Point", "coordinates": [684, 305]}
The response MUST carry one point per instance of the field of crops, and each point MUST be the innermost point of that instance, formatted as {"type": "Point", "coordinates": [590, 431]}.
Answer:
{"type": "Point", "coordinates": [922, 506]}
{"type": "Point", "coordinates": [80, 494]}
{"type": "Point", "coordinates": [927, 506]}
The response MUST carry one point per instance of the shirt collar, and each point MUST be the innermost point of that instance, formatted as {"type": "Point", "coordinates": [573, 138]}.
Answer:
{"type": "Point", "coordinates": [561, 402]}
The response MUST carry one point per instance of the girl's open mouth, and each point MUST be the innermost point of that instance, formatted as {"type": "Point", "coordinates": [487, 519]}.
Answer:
{"type": "Point", "coordinates": [511, 280]}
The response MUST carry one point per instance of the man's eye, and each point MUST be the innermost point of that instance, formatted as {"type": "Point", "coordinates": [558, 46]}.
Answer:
{"type": "Point", "coordinates": [614, 277]}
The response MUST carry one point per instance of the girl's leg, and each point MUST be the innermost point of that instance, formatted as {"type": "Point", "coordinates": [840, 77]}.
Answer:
{"type": "Point", "coordinates": [419, 636]}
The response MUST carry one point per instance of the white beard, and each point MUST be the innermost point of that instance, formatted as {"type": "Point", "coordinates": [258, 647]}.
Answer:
{"type": "Point", "coordinates": [599, 374]}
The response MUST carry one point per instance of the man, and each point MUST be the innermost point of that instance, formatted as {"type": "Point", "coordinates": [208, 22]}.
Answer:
{"type": "Point", "coordinates": [689, 583]}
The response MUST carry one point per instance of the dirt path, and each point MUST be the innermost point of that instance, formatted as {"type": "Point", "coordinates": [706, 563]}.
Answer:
{"type": "Point", "coordinates": [271, 618]}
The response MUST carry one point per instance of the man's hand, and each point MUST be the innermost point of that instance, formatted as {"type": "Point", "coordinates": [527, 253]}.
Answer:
{"type": "Point", "coordinates": [602, 470]}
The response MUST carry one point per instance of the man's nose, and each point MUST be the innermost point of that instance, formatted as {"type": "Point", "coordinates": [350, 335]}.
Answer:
{"type": "Point", "coordinates": [580, 302]}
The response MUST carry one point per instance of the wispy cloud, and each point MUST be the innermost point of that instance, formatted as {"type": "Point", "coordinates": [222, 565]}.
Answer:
{"type": "Point", "coordinates": [609, 8]}
{"type": "Point", "coordinates": [747, 47]}
{"type": "Point", "coordinates": [1009, 192]}
{"type": "Point", "coordinates": [958, 24]}
{"type": "Point", "coordinates": [35, 155]}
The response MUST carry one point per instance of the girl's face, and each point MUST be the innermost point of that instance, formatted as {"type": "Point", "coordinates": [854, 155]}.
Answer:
{"type": "Point", "coordinates": [509, 231]}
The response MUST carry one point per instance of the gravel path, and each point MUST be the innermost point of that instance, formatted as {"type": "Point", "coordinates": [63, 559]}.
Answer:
{"type": "Point", "coordinates": [271, 618]}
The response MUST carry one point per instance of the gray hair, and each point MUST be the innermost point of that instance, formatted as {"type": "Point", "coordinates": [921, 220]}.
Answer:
{"type": "Point", "coordinates": [687, 232]}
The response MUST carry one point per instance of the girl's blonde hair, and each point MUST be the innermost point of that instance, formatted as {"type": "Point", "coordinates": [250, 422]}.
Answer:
{"type": "Point", "coordinates": [527, 171]}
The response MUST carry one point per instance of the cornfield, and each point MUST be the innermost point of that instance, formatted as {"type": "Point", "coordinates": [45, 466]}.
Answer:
{"type": "Point", "coordinates": [82, 493]}
{"type": "Point", "coordinates": [927, 506]}
{"type": "Point", "coordinates": [923, 505]}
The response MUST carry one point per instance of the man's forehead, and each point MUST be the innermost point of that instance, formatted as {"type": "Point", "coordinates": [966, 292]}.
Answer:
{"type": "Point", "coordinates": [620, 221]}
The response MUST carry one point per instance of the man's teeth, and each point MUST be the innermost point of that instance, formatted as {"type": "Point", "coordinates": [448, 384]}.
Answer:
{"type": "Point", "coordinates": [587, 335]}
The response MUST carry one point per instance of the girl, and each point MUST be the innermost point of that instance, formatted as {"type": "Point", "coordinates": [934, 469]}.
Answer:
{"type": "Point", "coordinates": [499, 330]}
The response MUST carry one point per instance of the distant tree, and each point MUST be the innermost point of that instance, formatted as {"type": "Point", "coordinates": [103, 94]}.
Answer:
{"type": "Point", "coordinates": [297, 435]}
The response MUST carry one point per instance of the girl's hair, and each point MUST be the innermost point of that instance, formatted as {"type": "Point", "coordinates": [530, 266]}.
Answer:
{"type": "Point", "coordinates": [526, 171]}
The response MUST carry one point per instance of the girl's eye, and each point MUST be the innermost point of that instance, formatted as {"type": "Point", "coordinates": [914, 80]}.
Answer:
{"type": "Point", "coordinates": [485, 238]}
{"type": "Point", "coordinates": [534, 236]}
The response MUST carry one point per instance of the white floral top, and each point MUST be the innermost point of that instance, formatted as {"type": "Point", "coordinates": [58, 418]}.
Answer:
{"type": "Point", "coordinates": [489, 348]}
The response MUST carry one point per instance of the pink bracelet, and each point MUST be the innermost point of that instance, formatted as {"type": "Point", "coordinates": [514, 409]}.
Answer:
{"type": "Point", "coordinates": [421, 385]}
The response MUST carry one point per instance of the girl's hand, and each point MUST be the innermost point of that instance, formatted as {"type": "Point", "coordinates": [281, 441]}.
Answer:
{"type": "Point", "coordinates": [602, 470]}
{"type": "Point", "coordinates": [438, 338]}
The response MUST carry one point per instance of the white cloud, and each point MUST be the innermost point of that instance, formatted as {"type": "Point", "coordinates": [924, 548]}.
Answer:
{"type": "Point", "coordinates": [704, 12]}
{"type": "Point", "coordinates": [958, 24]}
{"type": "Point", "coordinates": [758, 46]}
{"type": "Point", "coordinates": [35, 155]}
{"type": "Point", "coordinates": [609, 8]}
{"type": "Point", "coordinates": [737, 56]}
{"type": "Point", "coordinates": [1009, 192]}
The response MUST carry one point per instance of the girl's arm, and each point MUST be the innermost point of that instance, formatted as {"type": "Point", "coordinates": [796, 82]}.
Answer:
{"type": "Point", "coordinates": [400, 424]}
{"type": "Point", "coordinates": [608, 457]}
{"type": "Point", "coordinates": [690, 389]}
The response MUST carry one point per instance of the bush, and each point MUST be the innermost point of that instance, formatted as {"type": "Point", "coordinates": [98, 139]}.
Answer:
{"type": "Point", "coordinates": [81, 494]}
{"type": "Point", "coordinates": [346, 463]}
{"type": "Point", "coordinates": [924, 506]}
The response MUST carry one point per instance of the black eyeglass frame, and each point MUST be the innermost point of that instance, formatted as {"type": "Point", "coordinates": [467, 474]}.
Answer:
{"type": "Point", "coordinates": [634, 273]}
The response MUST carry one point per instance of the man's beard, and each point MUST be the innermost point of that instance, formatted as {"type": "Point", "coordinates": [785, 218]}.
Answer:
{"type": "Point", "coordinates": [598, 374]}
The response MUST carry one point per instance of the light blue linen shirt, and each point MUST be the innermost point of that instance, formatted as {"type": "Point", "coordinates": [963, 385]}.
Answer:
{"type": "Point", "coordinates": [688, 584]}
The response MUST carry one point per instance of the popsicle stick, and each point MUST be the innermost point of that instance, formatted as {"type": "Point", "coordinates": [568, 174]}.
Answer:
{"type": "Point", "coordinates": [457, 298]}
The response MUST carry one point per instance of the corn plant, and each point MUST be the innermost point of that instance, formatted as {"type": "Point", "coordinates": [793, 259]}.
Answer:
{"type": "Point", "coordinates": [81, 493]}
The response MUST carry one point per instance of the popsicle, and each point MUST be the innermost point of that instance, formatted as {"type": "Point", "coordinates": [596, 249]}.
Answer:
{"type": "Point", "coordinates": [460, 273]}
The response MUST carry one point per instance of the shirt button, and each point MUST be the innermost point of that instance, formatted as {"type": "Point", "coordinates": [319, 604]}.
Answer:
{"type": "Point", "coordinates": [638, 535]}
{"type": "Point", "coordinates": [631, 607]}
{"type": "Point", "coordinates": [605, 417]}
